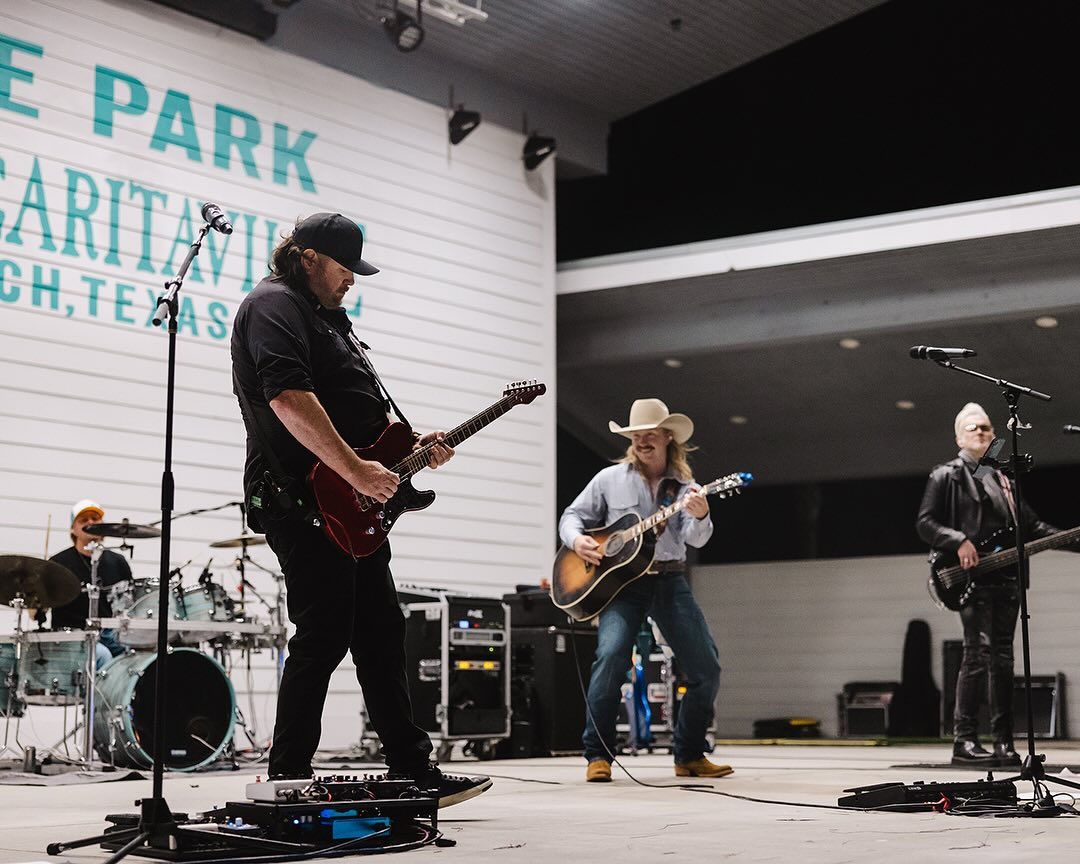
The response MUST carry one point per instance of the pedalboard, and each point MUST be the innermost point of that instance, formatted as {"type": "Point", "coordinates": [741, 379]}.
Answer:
{"type": "Point", "coordinates": [920, 795]}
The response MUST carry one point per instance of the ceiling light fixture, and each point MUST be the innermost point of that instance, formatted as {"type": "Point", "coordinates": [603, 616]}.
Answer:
{"type": "Point", "coordinates": [404, 31]}
{"type": "Point", "coordinates": [537, 149]}
{"type": "Point", "coordinates": [462, 122]}
{"type": "Point", "coordinates": [849, 343]}
{"type": "Point", "coordinates": [738, 420]}
{"type": "Point", "coordinates": [905, 404]}
{"type": "Point", "coordinates": [1046, 322]}
{"type": "Point", "coordinates": [673, 363]}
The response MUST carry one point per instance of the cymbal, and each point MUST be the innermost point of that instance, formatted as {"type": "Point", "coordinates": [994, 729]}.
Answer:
{"type": "Point", "coordinates": [42, 583]}
{"type": "Point", "coordinates": [125, 529]}
{"type": "Point", "coordinates": [242, 540]}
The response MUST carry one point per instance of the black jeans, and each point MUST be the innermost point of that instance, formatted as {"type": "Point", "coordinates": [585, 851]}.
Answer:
{"type": "Point", "coordinates": [986, 671]}
{"type": "Point", "coordinates": [339, 605]}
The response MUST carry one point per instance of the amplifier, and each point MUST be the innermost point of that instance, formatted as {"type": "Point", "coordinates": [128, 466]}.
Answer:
{"type": "Point", "coordinates": [917, 796]}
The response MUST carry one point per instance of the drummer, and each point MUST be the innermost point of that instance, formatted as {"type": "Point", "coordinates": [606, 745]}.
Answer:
{"type": "Point", "coordinates": [112, 568]}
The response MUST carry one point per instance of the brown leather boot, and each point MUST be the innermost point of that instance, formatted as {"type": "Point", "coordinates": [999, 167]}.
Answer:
{"type": "Point", "coordinates": [703, 768]}
{"type": "Point", "coordinates": [599, 771]}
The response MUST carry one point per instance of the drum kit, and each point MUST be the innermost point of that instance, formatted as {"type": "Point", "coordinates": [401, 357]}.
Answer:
{"type": "Point", "coordinates": [206, 628]}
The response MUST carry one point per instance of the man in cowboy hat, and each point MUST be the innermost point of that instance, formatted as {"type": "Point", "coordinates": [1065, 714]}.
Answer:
{"type": "Point", "coordinates": [651, 474]}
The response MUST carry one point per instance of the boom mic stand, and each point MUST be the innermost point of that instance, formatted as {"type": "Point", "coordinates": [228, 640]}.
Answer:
{"type": "Point", "coordinates": [1017, 465]}
{"type": "Point", "coordinates": [157, 829]}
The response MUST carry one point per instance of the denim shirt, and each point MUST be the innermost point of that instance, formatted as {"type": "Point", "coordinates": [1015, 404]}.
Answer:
{"type": "Point", "coordinates": [621, 489]}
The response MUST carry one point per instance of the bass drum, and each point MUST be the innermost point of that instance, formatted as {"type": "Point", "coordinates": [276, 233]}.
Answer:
{"type": "Point", "coordinates": [200, 709]}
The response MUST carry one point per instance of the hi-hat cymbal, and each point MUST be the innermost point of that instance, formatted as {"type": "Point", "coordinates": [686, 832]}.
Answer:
{"type": "Point", "coordinates": [42, 583]}
{"type": "Point", "coordinates": [242, 540]}
{"type": "Point", "coordinates": [125, 529]}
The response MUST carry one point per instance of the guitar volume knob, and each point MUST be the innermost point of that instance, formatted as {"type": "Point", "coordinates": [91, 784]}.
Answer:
{"type": "Point", "coordinates": [370, 530]}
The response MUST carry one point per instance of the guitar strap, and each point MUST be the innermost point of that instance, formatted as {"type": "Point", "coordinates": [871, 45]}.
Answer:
{"type": "Point", "coordinates": [1006, 487]}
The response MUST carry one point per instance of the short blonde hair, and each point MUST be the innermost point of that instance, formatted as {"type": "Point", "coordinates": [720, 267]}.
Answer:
{"type": "Point", "coordinates": [967, 411]}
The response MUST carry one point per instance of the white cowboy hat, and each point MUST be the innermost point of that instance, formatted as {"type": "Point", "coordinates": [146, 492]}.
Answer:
{"type": "Point", "coordinates": [648, 414]}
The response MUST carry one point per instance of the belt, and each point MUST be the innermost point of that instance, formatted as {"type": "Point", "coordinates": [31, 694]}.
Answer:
{"type": "Point", "coordinates": [667, 567]}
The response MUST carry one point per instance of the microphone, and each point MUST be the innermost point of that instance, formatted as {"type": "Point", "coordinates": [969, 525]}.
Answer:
{"type": "Point", "coordinates": [212, 214]}
{"type": "Point", "coordinates": [925, 352]}
{"type": "Point", "coordinates": [1069, 429]}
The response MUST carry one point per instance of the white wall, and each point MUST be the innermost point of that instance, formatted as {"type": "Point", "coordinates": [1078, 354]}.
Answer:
{"type": "Point", "coordinates": [792, 633]}
{"type": "Point", "coordinates": [100, 206]}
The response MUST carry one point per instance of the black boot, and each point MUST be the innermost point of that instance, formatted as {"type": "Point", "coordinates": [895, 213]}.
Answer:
{"type": "Point", "coordinates": [969, 752]}
{"type": "Point", "coordinates": [1004, 752]}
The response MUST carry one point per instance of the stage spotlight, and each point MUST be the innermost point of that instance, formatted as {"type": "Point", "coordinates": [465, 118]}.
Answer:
{"type": "Point", "coordinates": [462, 122]}
{"type": "Point", "coordinates": [537, 149]}
{"type": "Point", "coordinates": [404, 31]}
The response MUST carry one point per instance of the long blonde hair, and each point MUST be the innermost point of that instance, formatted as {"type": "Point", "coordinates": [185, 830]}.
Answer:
{"type": "Point", "coordinates": [677, 459]}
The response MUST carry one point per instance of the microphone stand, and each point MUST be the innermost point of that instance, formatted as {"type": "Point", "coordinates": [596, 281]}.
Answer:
{"type": "Point", "coordinates": [1018, 464]}
{"type": "Point", "coordinates": [157, 828]}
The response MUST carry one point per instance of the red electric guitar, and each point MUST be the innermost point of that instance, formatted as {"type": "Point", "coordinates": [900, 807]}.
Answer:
{"type": "Point", "coordinates": [357, 523]}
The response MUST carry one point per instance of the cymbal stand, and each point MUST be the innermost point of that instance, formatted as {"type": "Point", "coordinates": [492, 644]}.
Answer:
{"type": "Point", "coordinates": [277, 618]}
{"type": "Point", "coordinates": [12, 679]}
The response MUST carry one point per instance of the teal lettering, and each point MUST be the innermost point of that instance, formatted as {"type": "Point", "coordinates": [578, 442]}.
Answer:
{"type": "Point", "coordinates": [225, 139]}
{"type": "Point", "coordinates": [148, 197]}
{"type": "Point", "coordinates": [9, 293]}
{"type": "Point", "coordinates": [93, 285]}
{"type": "Point", "coordinates": [34, 199]}
{"type": "Point", "coordinates": [115, 187]}
{"type": "Point", "coordinates": [357, 306]}
{"type": "Point", "coordinates": [122, 292]}
{"type": "Point", "coordinates": [75, 213]}
{"type": "Point", "coordinates": [40, 286]}
{"type": "Point", "coordinates": [3, 176]}
{"type": "Point", "coordinates": [249, 252]}
{"type": "Point", "coordinates": [295, 155]}
{"type": "Point", "coordinates": [105, 104]}
{"type": "Point", "coordinates": [185, 236]}
{"type": "Point", "coordinates": [186, 318]}
{"type": "Point", "coordinates": [177, 105]}
{"type": "Point", "coordinates": [219, 318]}
{"type": "Point", "coordinates": [9, 73]}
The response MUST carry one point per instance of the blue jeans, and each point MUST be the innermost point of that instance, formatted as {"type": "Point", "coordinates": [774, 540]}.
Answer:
{"type": "Point", "coordinates": [667, 598]}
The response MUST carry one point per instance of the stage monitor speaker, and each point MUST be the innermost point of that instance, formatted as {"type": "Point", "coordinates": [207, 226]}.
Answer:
{"type": "Point", "coordinates": [546, 688]}
{"type": "Point", "coordinates": [1047, 695]}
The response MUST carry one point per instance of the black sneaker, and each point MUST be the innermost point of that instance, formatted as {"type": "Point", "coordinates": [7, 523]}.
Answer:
{"type": "Point", "coordinates": [447, 789]}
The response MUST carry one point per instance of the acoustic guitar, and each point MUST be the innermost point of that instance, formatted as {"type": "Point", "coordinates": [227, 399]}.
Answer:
{"type": "Point", "coordinates": [358, 524]}
{"type": "Point", "coordinates": [628, 544]}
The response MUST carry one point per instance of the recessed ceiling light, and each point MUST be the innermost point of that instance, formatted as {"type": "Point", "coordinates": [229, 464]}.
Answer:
{"type": "Point", "coordinates": [905, 404]}
{"type": "Point", "coordinates": [849, 343]}
{"type": "Point", "coordinates": [673, 362]}
{"type": "Point", "coordinates": [738, 419]}
{"type": "Point", "coordinates": [1046, 321]}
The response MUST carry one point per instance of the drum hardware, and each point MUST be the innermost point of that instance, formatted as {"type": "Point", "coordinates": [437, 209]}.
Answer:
{"type": "Point", "coordinates": [242, 542]}
{"type": "Point", "coordinates": [125, 529]}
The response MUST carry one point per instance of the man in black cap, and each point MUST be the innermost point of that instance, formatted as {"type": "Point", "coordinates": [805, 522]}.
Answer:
{"type": "Point", "coordinates": [308, 393]}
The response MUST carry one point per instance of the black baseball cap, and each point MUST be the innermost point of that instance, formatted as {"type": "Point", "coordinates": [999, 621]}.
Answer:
{"type": "Point", "coordinates": [333, 235]}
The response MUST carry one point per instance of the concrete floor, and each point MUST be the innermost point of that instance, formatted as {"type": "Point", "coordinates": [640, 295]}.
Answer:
{"type": "Point", "coordinates": [540, 810]}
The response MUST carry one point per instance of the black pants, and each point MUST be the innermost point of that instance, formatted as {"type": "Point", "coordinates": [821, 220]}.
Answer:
{"type": "Point", "coordinates": [986, 670]}
{"type": "Point", "coordinates": [339, 605]}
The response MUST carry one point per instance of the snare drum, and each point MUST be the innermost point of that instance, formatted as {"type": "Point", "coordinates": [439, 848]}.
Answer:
{"type": "Point", "coordinates": [138, 599]}
{"type": "Point", "coordinates": [205, 602]}
{"type": "Point", "coordinates": [10, 703]}
{"type": "Point", "coordinates": [52, 669]}
{"type": "Point", "coordinates": [200, 708]}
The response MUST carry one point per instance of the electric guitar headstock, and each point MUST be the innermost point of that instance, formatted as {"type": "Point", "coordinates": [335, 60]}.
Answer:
{"type": "Point", "coordinates": [523, 392]}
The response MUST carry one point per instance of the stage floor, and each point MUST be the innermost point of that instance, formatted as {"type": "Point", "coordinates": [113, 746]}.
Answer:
{"type": "Point", "coordinates": [541, 810]}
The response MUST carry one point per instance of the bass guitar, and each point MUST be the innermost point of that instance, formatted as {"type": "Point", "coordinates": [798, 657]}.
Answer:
{"type": "Point", "coordinates": [950, 585]}
{"type": "Point", "coordinates": [583, 590]}
{"type": "Point", "coordinates": [358, 524]}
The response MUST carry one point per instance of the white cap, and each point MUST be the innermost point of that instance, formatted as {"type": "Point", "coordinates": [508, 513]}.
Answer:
{"type": "Point", "coordinates": [82, 506]}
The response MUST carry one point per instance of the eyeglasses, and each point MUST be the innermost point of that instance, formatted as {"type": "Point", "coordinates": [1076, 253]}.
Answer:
{"type": "Point", "coordinates": [982, 427]}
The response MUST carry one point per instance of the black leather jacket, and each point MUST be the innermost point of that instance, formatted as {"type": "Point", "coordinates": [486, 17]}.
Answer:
{"type": "Point", "coordinates": [951, 510]}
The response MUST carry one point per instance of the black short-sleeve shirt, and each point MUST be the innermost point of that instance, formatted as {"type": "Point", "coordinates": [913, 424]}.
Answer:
{"type": "Point", "coordinates": [112, 568]}
{"type": "Point", "coordinates": [283, 339]}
